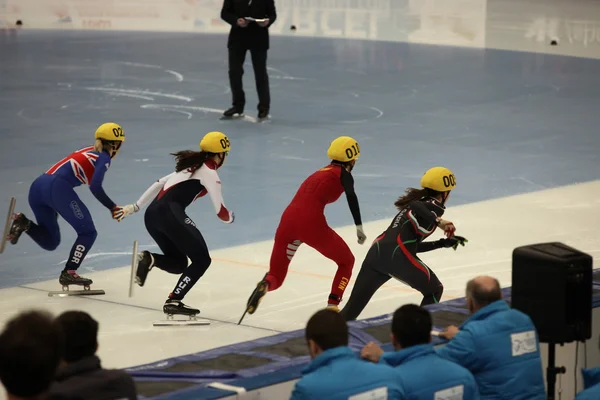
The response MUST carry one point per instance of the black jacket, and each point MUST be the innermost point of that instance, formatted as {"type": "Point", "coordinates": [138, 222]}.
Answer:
{"type": "Point", "coordinates": [253, 36]}
{"type": "Point", "coordinates": [86, 380]}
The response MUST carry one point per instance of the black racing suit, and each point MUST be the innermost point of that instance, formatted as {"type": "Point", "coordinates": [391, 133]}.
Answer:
{"type": "Point", "coordinates": [394, 255]}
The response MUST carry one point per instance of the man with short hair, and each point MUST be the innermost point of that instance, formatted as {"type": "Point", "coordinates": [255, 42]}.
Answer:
{"type": "Point", "coordinates": [31, 347]}
{"type": "Point", "coordinates": [81, 374]}
{"type": "Point", "coordinates": [335, 372]}
{"type": "Point", "coordinates": [499, 345]}
{"type": "Point", "coordinates": [426, 374]}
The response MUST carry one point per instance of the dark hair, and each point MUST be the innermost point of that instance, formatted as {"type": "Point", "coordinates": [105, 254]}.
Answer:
{"type": "Point", "coordinates": [189, 159]}
{"type": "Point", "coordinates": [31, 347]}
{"type": "Point", "coordinates": [482, 295]}
{"type": "Point", "coordinates": [82, 331]}
{"type": "Point", "coordinates": [328, 329]}
{"type": "Point", "coordinates": [411, 325]}
{"type": "Point", "coordinates": [413, 194]}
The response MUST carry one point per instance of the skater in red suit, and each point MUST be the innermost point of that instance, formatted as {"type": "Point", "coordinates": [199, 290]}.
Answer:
{"type": "Point", "coordinates": [303, 221]}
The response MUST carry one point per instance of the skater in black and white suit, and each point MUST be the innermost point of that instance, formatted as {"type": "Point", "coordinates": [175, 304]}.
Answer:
{"type": "Point", "coordinates": [172, 229]}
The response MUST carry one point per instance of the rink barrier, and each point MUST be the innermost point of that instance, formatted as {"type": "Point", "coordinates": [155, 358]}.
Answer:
{"type": "Point", "coordinates": [275, 359]}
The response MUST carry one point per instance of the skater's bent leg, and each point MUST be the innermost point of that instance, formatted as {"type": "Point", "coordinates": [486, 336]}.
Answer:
{"type": "Point", "coordinates": [367, 283]}
{"type": "Point", "coordinates": [412, 271]}
{"type": "Point", "coordinates": [281, 257]}
{"type": "Point", "coordinates": [433, 292]}
{"type": "Point", "coordinates": [173, 260]}
{"type": "Point", "coordinates": [191, 242]}
{"type": "Point", "coordinates": [46, 232]}
{"type": "Point", "coordinates": [332, 246]}
{"type": "Point", "coordinates": [72, 209]}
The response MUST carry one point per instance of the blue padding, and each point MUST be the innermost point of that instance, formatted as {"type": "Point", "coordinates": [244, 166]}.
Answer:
{"type": "Point", "coordinates": [281, 369]}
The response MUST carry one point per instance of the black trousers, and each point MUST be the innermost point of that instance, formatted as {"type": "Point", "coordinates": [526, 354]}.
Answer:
{"type": "Point", "coordinates": [237, 56]}
{"type": "Point", "coordinates": [403, 266]}
{"type": "Point", "coordinates": [178, 238]}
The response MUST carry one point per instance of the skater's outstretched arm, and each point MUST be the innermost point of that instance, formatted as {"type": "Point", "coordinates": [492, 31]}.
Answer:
{"type": "Point", "coordinates": [348, 184]}
{"type": "Point", "coordinates": [151, 192]}
{"type": "Point", "coordinates": [102, 165]}
{"type": "Point", "coordinates": [211, 182]}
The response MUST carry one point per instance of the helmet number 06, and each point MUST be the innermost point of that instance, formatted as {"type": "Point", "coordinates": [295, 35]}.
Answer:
{"type": "Point", "coordinates": [118, 132]}
{"type": "Point", "coordinates": [352, 151]}
{"type": "Point", "coordinates": [449, 180]}
{"type": "Point", "coordinates": [224, 143]}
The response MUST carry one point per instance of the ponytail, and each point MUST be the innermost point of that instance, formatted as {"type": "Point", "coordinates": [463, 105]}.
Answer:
{"type": "Point", "coordinates": [189, 159]}
{"type": "Point", "coordinates": [413, 194]}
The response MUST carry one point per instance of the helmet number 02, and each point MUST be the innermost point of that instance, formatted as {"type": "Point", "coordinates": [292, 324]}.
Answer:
{"type": "Point", "coordinates": [449, 180]}
{"type": "Point", "coordinates": [353, 151]}
{"type": "Point", "coordinates": [118, 132]}
{"type": "Point", "coordinates": [224, 143]}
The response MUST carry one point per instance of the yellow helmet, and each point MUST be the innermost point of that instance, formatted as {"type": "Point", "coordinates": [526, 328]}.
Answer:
{"type": "Point", "coordinates": [439, 179]}
{"type": "Point", "coordinates": [343, 149]}
{"type": "Point", "coordinates": [215, 142]}
{"type": "Point", "coordinates": [110, 132]}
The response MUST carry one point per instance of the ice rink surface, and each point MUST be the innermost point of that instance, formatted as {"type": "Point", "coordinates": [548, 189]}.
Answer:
{"type": "Point", "coordinates": [515, 119]}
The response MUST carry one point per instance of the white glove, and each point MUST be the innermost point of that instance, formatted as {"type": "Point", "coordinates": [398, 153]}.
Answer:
{"type": "Point", "coordinates": [126, 211]}
{"type": "Point", "coordinates": [360, 234]}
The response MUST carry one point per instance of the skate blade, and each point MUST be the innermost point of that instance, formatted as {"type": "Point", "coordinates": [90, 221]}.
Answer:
{"type": "Point", "coordinates": [9, 217]}
{"type": "Point", "coordinates": [67, 293]}
{"type": "Point", "coordinates": [239, 116]}
{"type": "Point", "coordinates": [134, 261]}
{"type": "Point", "coordinates": [181, 322]}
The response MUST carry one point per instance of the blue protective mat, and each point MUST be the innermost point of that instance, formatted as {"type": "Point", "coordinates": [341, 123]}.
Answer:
{"type": "Point", "coordinates": [274, 359]}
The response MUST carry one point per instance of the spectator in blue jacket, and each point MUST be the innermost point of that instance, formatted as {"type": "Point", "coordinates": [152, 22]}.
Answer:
{"type": "Point", "coordinates": [499, 345]}
{"type": "Point", "coordinates": [335, 372]}
{"type": "Point", "coordinates": [425, 374]}
{"type": "Point", "coordinates": [591, 384]}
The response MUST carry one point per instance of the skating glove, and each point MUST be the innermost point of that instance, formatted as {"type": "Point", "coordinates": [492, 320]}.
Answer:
{"type": "Point", "coordinates": [360, 234]}
{"type": "Point", "coordinates": [454, 242]}
{"type": "Point", "coordinates": [119, 213]}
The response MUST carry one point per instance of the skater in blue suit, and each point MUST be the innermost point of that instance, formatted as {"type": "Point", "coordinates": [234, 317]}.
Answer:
{"type": "Point", "coordinates": [52, 194]}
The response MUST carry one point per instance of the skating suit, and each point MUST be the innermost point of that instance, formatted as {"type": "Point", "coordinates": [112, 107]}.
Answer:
{"type": "Point", "coordinates": [303, 221]}
{"type": "Point", "coordinates": [53, 194]}
{"type": "Point", "coordinates": [174, 231]}
{"type": "Point", "coordinates": [394, 255]}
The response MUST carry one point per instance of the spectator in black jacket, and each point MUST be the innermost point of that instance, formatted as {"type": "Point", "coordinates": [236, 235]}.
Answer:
{"type": "Point", "coordinates": [81, 375]}
{"type": "Point", "coordinates": [31, 347]}
{"type": "Point", "coordinates": [247, 34]}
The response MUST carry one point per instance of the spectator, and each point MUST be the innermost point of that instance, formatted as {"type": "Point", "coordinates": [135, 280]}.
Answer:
{"type": "Point", "coordinates": [426, 375]}
{"type": "Point", "coordinates": [591, 384]}
{"type": "Point", "coordinates": [248, 34]}
{"type": "Point", "coordinates": [499, 345]}
{"type": "Point", "coordinates": [81, 374]}
{"type": "Point", "coordinates": [335, 372]}
{"type": "Point", "coordinates": [31, 347]}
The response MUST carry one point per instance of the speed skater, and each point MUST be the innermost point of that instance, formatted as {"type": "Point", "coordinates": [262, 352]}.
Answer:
{"type": "Point", "coordinates": [52, 194]}
{"type": "Point", "coordinates": [303, 221]}
{"type": "Point", "coordinates": [172, 229]}
{"type": "Point", "coordinates": [394, 253]}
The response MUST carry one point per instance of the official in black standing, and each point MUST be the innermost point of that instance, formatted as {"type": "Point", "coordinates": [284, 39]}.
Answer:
{"type": "Point", "coordinates": [246, 34]}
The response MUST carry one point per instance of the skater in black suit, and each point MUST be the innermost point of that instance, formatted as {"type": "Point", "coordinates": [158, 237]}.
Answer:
{"type": "Point", "coordinates": [247, 34]}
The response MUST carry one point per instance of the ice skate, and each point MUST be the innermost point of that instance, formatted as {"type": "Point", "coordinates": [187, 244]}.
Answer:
{"type": "Point", "coordinates": [259, 292]}
{"type": "Point", "coordinates": [70, 277]}
{"type": "Point", "coordinates": [233, 113]}
{"type": "Point", "coordinates": [7, 224]}
{"type": "Point", "coordinates": [144, 266]}
{"type": "Point", "coordinates": [19, 225]}
{"type": "Point", "coordinates": [263, 115]}
{"type": "Point", "coordinates": [176, 307]}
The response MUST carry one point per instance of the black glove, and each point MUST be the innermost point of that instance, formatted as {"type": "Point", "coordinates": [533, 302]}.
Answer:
{"type": "Point", "coordinates": [453, 242]}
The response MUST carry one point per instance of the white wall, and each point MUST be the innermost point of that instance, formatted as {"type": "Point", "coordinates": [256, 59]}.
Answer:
{"type": "Point", "coordinates": [455, 22]}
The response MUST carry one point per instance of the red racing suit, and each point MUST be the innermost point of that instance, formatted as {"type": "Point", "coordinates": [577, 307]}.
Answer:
{"type": "Point", "coordinates": [303, 221]}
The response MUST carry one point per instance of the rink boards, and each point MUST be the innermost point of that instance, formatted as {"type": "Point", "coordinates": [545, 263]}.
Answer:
{"type": "Point", "coordinates": [273, 360]}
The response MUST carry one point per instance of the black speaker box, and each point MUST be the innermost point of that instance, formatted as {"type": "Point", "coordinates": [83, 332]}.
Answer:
{"type": "Point", "coordinates": [552, 283]}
